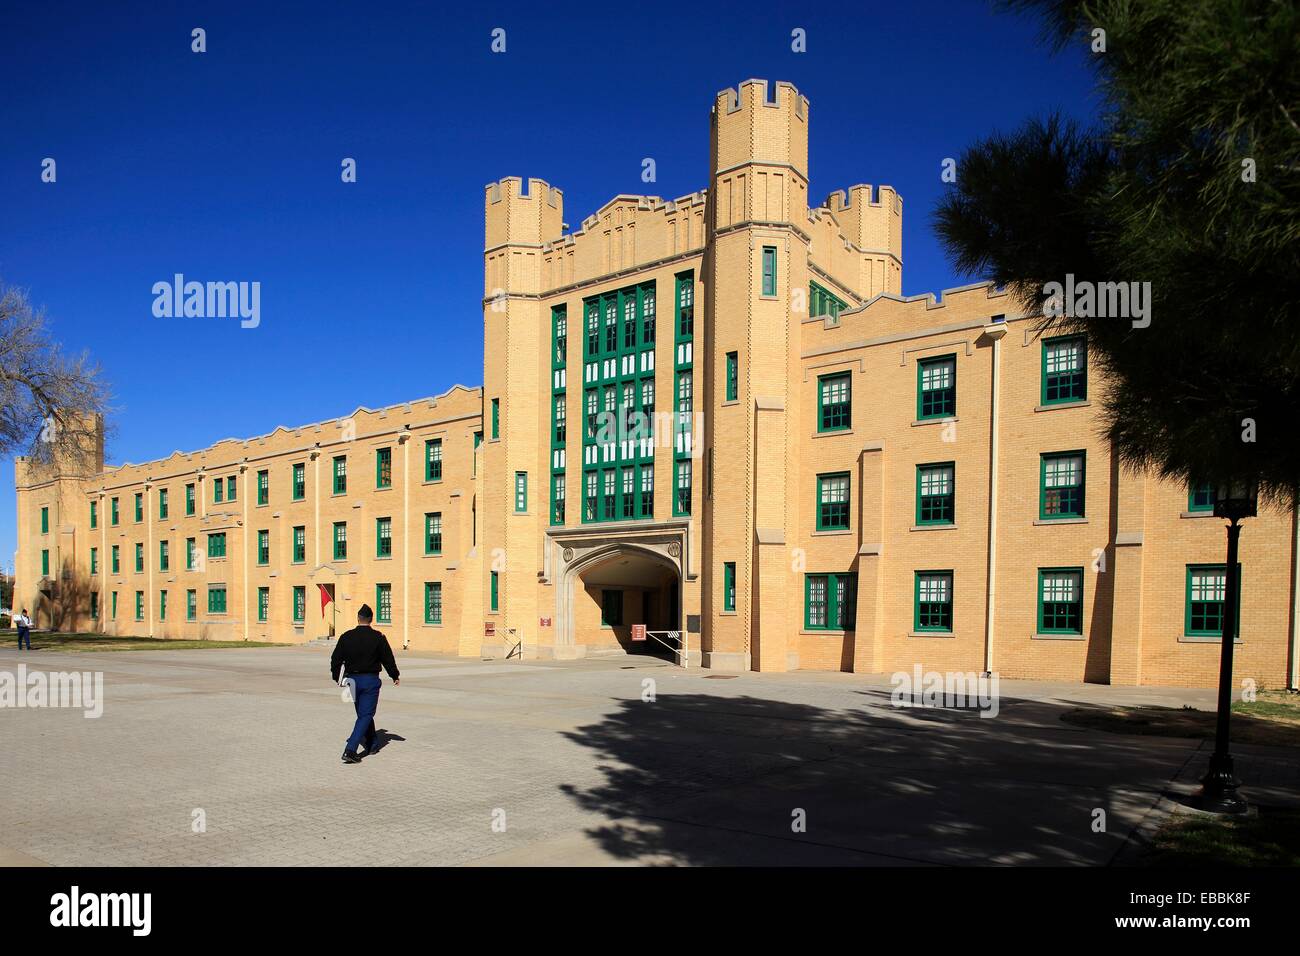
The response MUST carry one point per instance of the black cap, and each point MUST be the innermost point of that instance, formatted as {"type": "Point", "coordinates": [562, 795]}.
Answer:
{"type": "Point", "coordinates": [364, 611]}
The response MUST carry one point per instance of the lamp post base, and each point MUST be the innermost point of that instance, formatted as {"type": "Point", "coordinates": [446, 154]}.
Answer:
{"type": "Point", "coordinates": [1219, 788]}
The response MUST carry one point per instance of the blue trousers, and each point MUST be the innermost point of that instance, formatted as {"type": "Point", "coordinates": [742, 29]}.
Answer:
{"type": "Point", "coordinates": [24, 634]}
{"type": "Point", "coordinates": [366, 693]}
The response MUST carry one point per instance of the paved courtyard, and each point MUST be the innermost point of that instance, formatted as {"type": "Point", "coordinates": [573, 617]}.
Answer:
{"type": "Point", "coordinates": [496, 762]}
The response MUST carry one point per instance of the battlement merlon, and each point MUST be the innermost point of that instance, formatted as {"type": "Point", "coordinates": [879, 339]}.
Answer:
{"type": "Point", "coordinates": [748, 127]}
{"type": "Point", "coordinates": [870, 221]}
{"type": "Point", "coordinates": [519, 214]}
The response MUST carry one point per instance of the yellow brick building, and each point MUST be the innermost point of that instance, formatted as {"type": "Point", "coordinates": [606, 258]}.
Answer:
{"type": "Point", "coordinates": [713, 416]}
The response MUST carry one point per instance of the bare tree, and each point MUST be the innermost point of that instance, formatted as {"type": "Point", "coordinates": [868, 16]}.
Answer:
{"type": "Point", "coordinates": [48, 400]}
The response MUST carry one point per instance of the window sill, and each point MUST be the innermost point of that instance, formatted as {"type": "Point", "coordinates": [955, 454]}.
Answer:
{"type": "Point", "coordinates": [728, 613]}
{"type": "Point", "coordinates": [832, 432]}
{"type": "Point", "coordinates": [1057, 637]}
{"type": "Point", "coordinates": [1196, 514]}
{"type": "Point", "coordinates": [831, 532]}
{"type": "Point", "coordinates": [933, 527]}
{"type": "Point", "coordinates": [1083, 403]}
{"type": "Point", "coordinates": [433, 625]}
{"type": "Point", "coordinates": [432, 481]}
{"type": "Point", "coordinates": [947, 634]}
{"type": "Point", "coordinates": [1047, 521]}
{"type": "Point", "coordinates": [1205, 639]}
{"type": "Point", "coordinates": [730, 401]}
{"type": "Point", "coordinates": [383, 557]}
{"type": "Point", "coordinates": [432, 554]}
{"type": "Point", "coordinates": [824, 632]}
{"type": "Point", "coordinates": [935, 421]}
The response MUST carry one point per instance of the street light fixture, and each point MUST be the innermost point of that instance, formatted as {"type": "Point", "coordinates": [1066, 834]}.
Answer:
{"type": "Point", "coordinates": [1234, 500]}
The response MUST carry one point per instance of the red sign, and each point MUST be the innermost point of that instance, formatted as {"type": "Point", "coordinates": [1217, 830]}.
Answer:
{"type": "Point", "coordinates": [544, 621]}
{"type": "Point", "coordinates": [638, 632]}
{"type": "Point", "coordinates": [489, 628]}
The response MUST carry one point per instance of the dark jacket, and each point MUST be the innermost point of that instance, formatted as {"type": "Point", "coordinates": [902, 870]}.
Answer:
{"type": "Point", "coordinates": [361, 651]}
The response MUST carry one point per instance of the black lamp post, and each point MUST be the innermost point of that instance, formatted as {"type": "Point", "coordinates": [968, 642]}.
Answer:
{"type": "Point", "coordinates": [1233, 500]}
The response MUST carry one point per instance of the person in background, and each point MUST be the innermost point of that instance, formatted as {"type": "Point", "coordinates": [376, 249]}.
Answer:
{"type": "Point", "coordinates": [360, 653]}
{"type": "Point", "coordinates": [24, 625]}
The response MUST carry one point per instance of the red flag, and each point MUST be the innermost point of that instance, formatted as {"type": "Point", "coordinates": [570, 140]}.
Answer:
{"type": "Point", "coordinates": [325, 597]}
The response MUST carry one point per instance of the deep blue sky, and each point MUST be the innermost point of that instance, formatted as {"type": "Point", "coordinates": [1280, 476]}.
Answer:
{"type": "Point", "coordinates": [225, 166]}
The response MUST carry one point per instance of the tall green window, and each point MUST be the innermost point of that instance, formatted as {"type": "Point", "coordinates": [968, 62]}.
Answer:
{"type": "Point", "coordinates": [384, 603]}
{"type": "Point", "coordinates": [45, 562]}
{"type": "Point", "coordinates": [45, 521]}
{"type": "Point", "coordinates": [94, 560]}
{"type": "Point", "coordinates": [729, 585]}
{"type": "Point", "coordinates": [611, 608]}
{"type": "Point", "coordinates": [217, 545]}
{"type": "Point", "coordinates": [1065, 370]}
{"type": "Point", "coordinates": [299, 604]}
{"type": "Point", "coordinates": [139, 507]}
{"type": "Point", "coordinates": [218, 490]}
{"type": "Point", "coordinates": [264, 547]}
{"type": "Point", "coordinates": [162, 605]}
{"type": "Point", "coordinates": [341, 475]}
{"type": "Point", "coordinates": [189, 499]}
{"type": "Point", "coordinates": [521, 492]}
{"type": "Point", "coordinates": [936, 387]}
{"type": "Point", "coordinates": [1200, 496]}
{"type": "Point", "coordinates": [433, 532]}
{"type": "Point", "coordinates": [383, 468]}
{"type": "Point", "coordinates": [834, 402]}
{"type": "Point", "coordinates": [769, 270]}
{"type": "Point", "coordinates": [191, 604]}
{"type": "Point", "coordinates": [162, 504]}
{"type": "Point", "coordinates": [230, 488]}
{"type": "Point", "coordinates": [383, 537]}
{"type": "Point", "coordinates": [733, 376]}
{"type": "Point", "coordinates": [115, 563]}
{"type": "Point", "coordinates": [432, 602]}
{"type": "Point", "coordinates": [340, 540]}
{"type": "Point", "coordinates": [1060, 600]}
{"type": "Point", "coordinates": [263, 604]}
{"type": "Point", "coordinates": [496, 418]}
{"type": "Point", "coordinates": [139, 559]}
{"type": "Point", "coordinates": [433, 459]}
{"type": "Point", "coordinates": [495, 592]}
{"type": "Point", "coordinates": [823, 302]}
{"type": "Point", "coordinates": [833, 501]}
{"type": "Point", "coordinates": [1207, 586]}
{"type": "Point", "coordinates": [113, 515]}
{"type": "Point", "coordinates": [933, 601]}
{"type": "Point", "coordinates": [299, 481]}
{"type": "Point", "coordinates": [139, 605]}
{"type": "Point", "coordinates": [830, 602]}
{"type": "Point", "coordinates": [935, 485]}
{"type": "Point", "coordinates": [264, 487]}
{"type": "Point", "coordinates": [94, 515]}
{"type": "Point", "coordinates": [113, 604]}
{"type": "Point", "coordinates": [557, 499]}
{"type": "Point", "coordinates": [1062, 485]}
{"type": "Point", "coordinates": [682, 480]}
{"type": "Point", "coordinates": [299, 544]}
{"type": "Point", "coordinates": [164, 555]}
{"type": "Point", "coordinates": [94, 605]}
{"type": "Point", "coordinates": [191, 552]}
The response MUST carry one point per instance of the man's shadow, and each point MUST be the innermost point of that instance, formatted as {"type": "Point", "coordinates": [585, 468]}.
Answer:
{"type": "Point", "coordinates": [382, 739]}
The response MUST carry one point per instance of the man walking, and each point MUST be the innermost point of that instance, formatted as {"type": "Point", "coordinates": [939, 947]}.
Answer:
{"type": "Point", "coordinates": [24, 625]}
{"type": "Point", "coordinates": [361, 652]}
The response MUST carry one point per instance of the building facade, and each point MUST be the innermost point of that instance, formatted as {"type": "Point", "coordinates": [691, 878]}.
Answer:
{"type": "Point", "coordinates": [716, 417]}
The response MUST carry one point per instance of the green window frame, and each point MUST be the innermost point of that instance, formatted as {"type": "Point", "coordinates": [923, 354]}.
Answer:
{"type": "Point", "coordinates": [611, 607]}
{"type": "Point", "coordinates": [139, 605]}
{"type": "Point", "coordinates": [113, 603]}
{"type": "Point", "coordinates": [521, 492]}
{"type": "Point", "coordinates": [139, 507]}
{"type": "Point", "coordinates": [299, 481]}
{"type": "Point", "coordinates": [115, 559]}
{"type": "Point", "coordinates": [113, 516]}
{"type": "Point", "coordinates": [45, 521]}
{"type": "Point", "coordinates": [191, 551]}
{"type": "Point", "coordinates": [936, 387]}
{"type": "Point", "coordinates": [340, 474]}
{"type": "Point", "coordinates": [1060, 600]}
{"type": "Point", "coordinates": [557, 499]}
{"type": "Point", "coordinates": [383, 468]}
{"type": "Point", "coordinates": [383, 537]}
{"type": "Point", "coordinates": [45, 562]}
{"type": "Point", "coordinates": [1065, 369]}
{"type": "Point", "coordinates": [191, 604]}
{"type": "Point", "coordinates": [830, 602]}
{"type": "Point", "coordinates": [559, 336]}
{"type": "Point", "coordinates": [162, 605]}
{"type": "Point", "coordinates": [94, 515]}
{"type": "Point", "coordinates": [1200, 496]}
{"type": "Point", "coordinates": [936, 486]}
{"type": "Point", "coordinates": [733, 376]}
{"type": "Point", "coordinates": [94, 560]}
{"type": "Point", "coordinates": [299, 544]}
{"type": "Point", "coordinates": [432, 602]}
{"type": "Point", "coordinates": [264, 487]}
{"type": "Point", "coordinates": [835, 402]}
{"type": "Point", "coordinates": [94, 605]}
{"type": "Point", "coordinates": [495, 592]}
{"type": "Point", "coordinates": [1206, 589]}
{"type": "Point", "coordinates": [162, 504]}
{"type": "Point", "coordinates": [932, 602]}
{"type": "Point", "coordinates": [164, 555]}
{"type": "Point", "coordinates": [263, 604]}
{"type": "Point", "coordinates": [218, 490]}
{"type": "Point", "coordinates": [682, 490]}
{"type": "Point", "coordinates": [189, 499]}
{"type": "Point", "coordinates": [340, 540]}
{"type": "Point", "coordinates": [299, 604]}
{"type": "Point", "coordinates": [217, 545]}
{"type": "Point", "coordinates": [821, 301]}
{"type": "Point", "coordinates": [139, 558]}
{"type": "Point", "coordinates": [1062, 485]}
{"type": "Point", "coordinates": [433, 532]}
{"type": "Point", "coordinates": [433, 459]}
{"type": "Point", "coordinates": [833, 497]}
{"type": "Point", "coordinates": [383, 604]}
{"type": "Point", "coordinates": [496, 418]}
{"type": "Point", "coordinates": [769, 271]}
{"type": "Point", "coordinates": [230, 488]}
{"type": "Point", "coordinates": [264, 548]}
{"type": "Point", "coordinates": [729, 585]}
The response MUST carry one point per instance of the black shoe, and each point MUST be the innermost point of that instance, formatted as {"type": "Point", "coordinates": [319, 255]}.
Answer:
{"type": "Point", "coordinates": [350, 757]}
